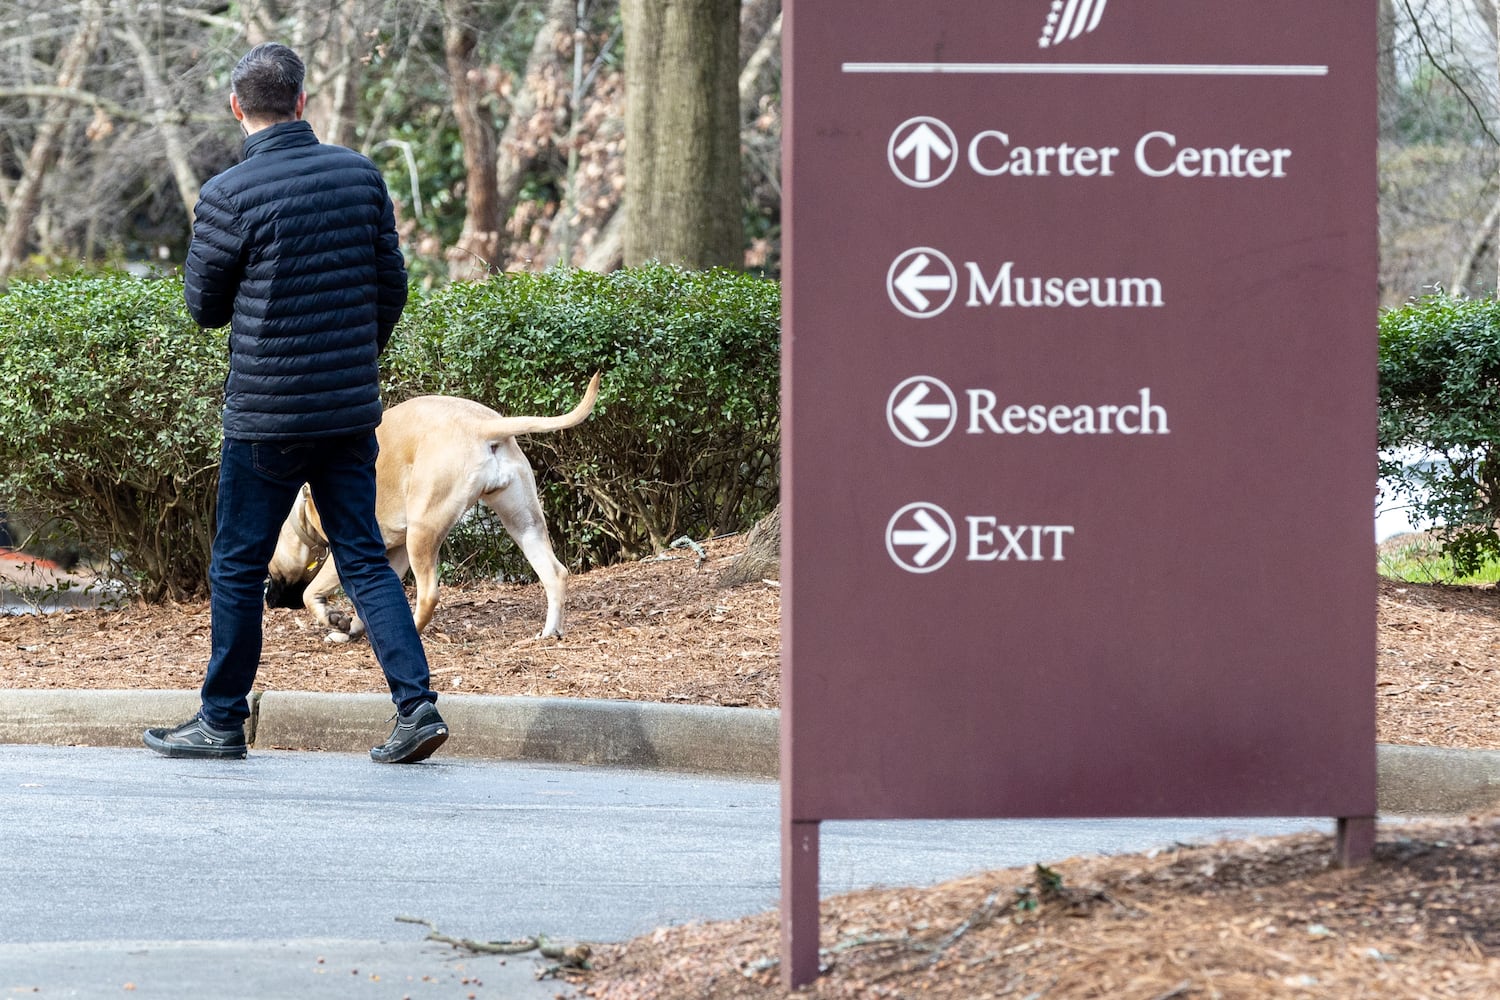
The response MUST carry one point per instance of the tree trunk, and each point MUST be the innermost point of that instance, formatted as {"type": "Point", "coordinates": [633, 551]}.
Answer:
{"type": "Point", "coordinates": [26, 199]}
{"type": "Point", "coordinates": [608, 252]}
{"type": "Point", "coordinates": [682, 132]}
{"type": "Point", "coordinates": [761, 559]}
{"type": "Point", "coordinates": [326, 37]}
{"type": "Point", "coordinates": [561, 236]}
{"type": "Point", "coordinates": [565, 135]}
{"type": "Point", "coordinates": [336, 106]}
{"type": "Point", "coordinates": [478, 246]}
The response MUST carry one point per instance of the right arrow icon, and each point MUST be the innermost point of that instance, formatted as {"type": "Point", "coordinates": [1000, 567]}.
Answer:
{"type": "Point", "coordinates": [925, 528]}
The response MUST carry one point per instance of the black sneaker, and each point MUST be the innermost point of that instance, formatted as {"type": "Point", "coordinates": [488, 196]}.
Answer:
{"type": "Point", "coordinates": [196, 738]}
{"type": "Point", "coordinates": [415, 737]}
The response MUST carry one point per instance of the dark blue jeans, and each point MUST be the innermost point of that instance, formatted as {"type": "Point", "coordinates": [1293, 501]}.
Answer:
{"type": "Point", "coordinates": [258, 482]}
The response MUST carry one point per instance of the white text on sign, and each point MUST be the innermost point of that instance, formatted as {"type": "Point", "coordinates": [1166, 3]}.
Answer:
{"type": "Point", "coordinates": [1156, 154]}
{"type": "Point", "coordinates": [990, 541]}
{"type": "Point", "coordinates": [923, 152]}
{"type": "Point", "coordinates": [923, 282]}
{"type": "Point", "coordinates": [1141, 417]}
{"type": "Point", "coordinates": [1010, 289]}
{"type": "Point", "coordinates": [922, 411]}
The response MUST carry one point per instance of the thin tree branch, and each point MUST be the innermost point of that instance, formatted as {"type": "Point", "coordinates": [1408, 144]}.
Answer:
{"type": "Point", "coordinates": [172, 138]}
{"type": "Point", "coordinates": [112, 108]}
{"type": "Point", "coordinates": [1422, 40]}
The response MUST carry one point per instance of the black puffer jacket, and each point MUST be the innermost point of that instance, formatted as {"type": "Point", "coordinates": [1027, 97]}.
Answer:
{"type": "Point", "coordinates": [296, 246]}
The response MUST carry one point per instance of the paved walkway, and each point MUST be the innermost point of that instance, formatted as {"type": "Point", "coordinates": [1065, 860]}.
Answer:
{"type": "Point", "coordinates": [283, 875]}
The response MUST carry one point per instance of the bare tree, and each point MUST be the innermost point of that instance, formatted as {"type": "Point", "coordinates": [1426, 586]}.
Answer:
{"type": "Point", "coordinates": [587, 225]}
{"type": "Point", "coordinates": [761, 61]}
{"type": "Point", "coordinates": [102, 151]}
{"type": "Point", "coordinates": [107, 148]}
{"type": "Point", "coordinates": [528, 133]}
{"type": "Point", "coordinates": [1386, 75]}
{"type": "Point", "coordinates": [21, 207]}
{"type": "Point", "coordinates": [564, 141]}
{"type": "Point", "coordinates": [1440, 149]}
{"type": "Point", "coordinates": [175, 144]}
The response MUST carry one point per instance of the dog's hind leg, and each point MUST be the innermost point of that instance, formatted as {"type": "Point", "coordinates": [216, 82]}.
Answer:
{"type": "Point", "coordinates": [526, 525]}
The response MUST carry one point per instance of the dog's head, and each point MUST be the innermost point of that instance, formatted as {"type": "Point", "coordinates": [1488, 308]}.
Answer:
{"type": "Point", "coordinates": [300, 550]}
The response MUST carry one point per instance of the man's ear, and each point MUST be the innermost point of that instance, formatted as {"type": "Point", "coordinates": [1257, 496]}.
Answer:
{"type": "Point", "coordinates": [301, 102]}
{"type": "Point", "coordinates": [234, 106]}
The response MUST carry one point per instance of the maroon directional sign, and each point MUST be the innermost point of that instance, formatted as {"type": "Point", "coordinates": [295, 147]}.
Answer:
{"type": "Point", "coordinates": [1079, 414]}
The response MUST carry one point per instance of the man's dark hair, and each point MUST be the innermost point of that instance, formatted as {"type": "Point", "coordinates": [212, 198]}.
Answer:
{"type": "Point", "coordinates": [267, 81]}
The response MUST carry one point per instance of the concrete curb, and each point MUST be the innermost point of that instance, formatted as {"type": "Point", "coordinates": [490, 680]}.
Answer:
{"type": "Point", "coordinates": [1413, 781]}
{"type": "Point", "coordinates": [1416, 781]}
{"type": "Point", "coordinates": [647, 735]}
{"type": "Point", "coordinates": [89, 718]}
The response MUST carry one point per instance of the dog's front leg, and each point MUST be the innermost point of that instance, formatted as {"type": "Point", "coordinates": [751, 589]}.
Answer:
{"type": "Point", "coordinates": [344, 626]}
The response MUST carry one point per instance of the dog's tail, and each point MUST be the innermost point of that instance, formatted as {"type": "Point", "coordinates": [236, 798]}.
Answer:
{"type": "Point", "coordinates": [514, 426]}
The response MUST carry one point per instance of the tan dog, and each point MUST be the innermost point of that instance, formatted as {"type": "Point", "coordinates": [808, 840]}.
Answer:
{"type": "Point", "coordinates": [439, 456]}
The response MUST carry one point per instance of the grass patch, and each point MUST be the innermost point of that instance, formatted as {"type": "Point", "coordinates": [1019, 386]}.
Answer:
{"type": "Point", "coordinates": [1417, 557]}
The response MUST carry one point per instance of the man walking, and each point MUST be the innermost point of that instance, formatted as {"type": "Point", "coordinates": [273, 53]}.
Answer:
{"type": "Point", "coordinates": [296, 248]}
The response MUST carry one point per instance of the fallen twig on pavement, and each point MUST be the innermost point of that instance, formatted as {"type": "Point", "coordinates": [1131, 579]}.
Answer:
{"type": "Point", "coordinates": [571, 956]}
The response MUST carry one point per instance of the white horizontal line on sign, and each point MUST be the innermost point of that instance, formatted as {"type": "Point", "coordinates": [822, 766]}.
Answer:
{"type": "Point", "coordinates": [1088, 69]}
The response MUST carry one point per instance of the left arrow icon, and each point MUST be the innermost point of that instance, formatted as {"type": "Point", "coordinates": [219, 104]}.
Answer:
{"type": "Point", "coordinates": [921, 411]}
{"type": "Point", "coordinates": [916, 273]}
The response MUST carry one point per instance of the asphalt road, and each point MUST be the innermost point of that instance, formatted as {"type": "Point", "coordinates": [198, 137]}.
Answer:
{"type": "Point", "coordinates": [283, 875]}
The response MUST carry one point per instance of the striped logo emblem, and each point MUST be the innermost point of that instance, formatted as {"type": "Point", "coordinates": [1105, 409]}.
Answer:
{"type": "Point", "coordinates": [1070, 18]}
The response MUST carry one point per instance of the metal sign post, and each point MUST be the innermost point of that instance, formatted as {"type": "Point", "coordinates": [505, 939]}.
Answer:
{"type": "Point", "coordinates": [1079, 415]}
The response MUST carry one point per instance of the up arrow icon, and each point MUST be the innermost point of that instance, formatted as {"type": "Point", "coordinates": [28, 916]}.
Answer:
{"type": "Point", "coordinates": [922, 152]}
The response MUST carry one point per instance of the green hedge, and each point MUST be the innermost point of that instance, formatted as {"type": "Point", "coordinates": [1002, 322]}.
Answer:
{"type": "Point", "coordinates": [109, 418]}
{"type": "Point", "coordinates": [110, 397]}
{"type": "Point", "coordinates": [684, 438]}
{"type": "Point", "coordinates": [1440, 396]}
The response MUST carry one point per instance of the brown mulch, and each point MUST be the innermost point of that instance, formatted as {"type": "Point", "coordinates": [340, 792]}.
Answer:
{"type": "Point", "coordinates": [1438, 673]}
{"type": "Point", "coordinates": [1261, 918]}
{"type": "Point", "coordinates": [657, 630]}
{"type": "Point", "coordinates": [1267, 918]}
